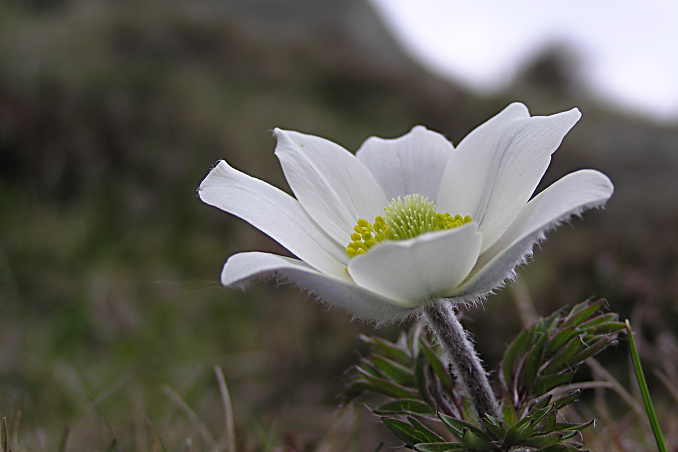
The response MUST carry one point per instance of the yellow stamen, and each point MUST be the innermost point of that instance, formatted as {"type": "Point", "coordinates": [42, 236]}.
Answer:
{"type": "Point", "coordinates": [403, 219]}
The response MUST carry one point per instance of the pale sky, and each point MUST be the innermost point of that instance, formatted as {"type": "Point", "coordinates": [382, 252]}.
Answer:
{"type": "Point", "coordinates": [629, 48]}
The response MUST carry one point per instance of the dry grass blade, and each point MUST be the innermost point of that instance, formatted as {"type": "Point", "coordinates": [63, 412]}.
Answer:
{"type": "Point", "coordinates": [672, 423]}
{"type": "Point", "coordinates": [524, 304]}
{"type": "Point", "coordinates": [228, 409]}
{"type": "Point", "coordinates": [4, 434]}
{"type": "Point", "coordinates": [160, 444]}
{"type": "Point", "coordinates": [64, 439]}
{"type": "Point", "coordinates": [603, 374]}
{"type": "Point", "coordinates": [15, 430]}
{"type": "Point", "coordinates": [342, 434]}
{"type": "Point", "coordinates": [195, 419]}
{"type": "Point", "coordinates": [673, 390]}
{"type": "Point", "coordinates": [566, 389]}
{"type": "Point", "coordinates": [609, 425]}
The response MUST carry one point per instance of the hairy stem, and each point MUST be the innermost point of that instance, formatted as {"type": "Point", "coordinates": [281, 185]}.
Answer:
{"type": "Point", "coordinates": [462, 357]}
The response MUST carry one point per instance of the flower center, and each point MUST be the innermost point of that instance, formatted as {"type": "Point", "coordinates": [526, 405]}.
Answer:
{"type": "Point", "coordinates": [403, 219]}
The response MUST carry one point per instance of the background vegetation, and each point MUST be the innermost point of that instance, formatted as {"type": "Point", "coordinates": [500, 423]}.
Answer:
{"type": "Point", "coordinates": [111, 315]}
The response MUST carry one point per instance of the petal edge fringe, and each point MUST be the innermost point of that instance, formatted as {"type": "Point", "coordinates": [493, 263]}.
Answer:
{"type": "Point", "coordinates": [569, 196]}
{"type": "Point", "coordinates": [244, 268]}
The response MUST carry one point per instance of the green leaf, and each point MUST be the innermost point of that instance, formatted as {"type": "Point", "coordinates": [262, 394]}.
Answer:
{"type": "Point", "coordinates": [545, 384]}
{"type": "Point", "coordinates": [541, 403]}
{"type": "Point", "coordinates": [387, 387]}
{"type": "Point", "coordinates": [574, 428]}
{"type": "Point", "coordinates": [543, 418]}
{"type": "Point", "coordinates": [467, 410]}
{"type": "Point", "coordinates": [601, 319]}
{"type": "Point", "coordinates": [548, 324]}
{"type": "Point", "coordinates": [569, 434]}
{"type": "Point", "coordinates": [508, 411]}
{"type": "Point", "coordinates": [366, 367]}
{"type": "Point", "coordinates": [420, 380]}
{"type": "Point", "coordinates": [537, 412]}
{"type": "Point", "coordinates": [414, 337]}
{"type": "Point", "coordinates": [563, 401]}
{"type": "Point", "coordinates": [593, 349]}
{"type": "Point", "coordinates": [549, 422]}
{"type": "Point", "coordinates": [431, 437]}
{"type": "Point", "coordinates": [642, 383]}
{"type": "Point", "coordinates": [549, 439]}
{"type": "Point", "coordinates": [457, 427]}
{"type": "Point", "coordinates": [494, 426]}
{"type": "Point", "coordinates": [387, 349]}
{"type": "Point", "coordinates": [394, 371]}
{"type": "Point", "coordinates": [476, 443]}
{"type": "Point", "coordinates": [534, 361]}
{"type": "Point", "coordinates": [402, 430]}
{"type": "Point", "coordinates": [562, 358]}
{"type": "Point", "coordinates": [437, 447]}
{"type": "Point", "coordinates": [411, 434]}
{"type": "Point", "coordinates": [406, 407]}
{"type": "Point", "coordinates": [610, 328]}
{"type": "Point", "coordinates": [517, 348]}
{"type": "Point", "coordinates": [560, 339]}
{"type": "Point", "coordinates": [519, 432]}
{"type": "Point", "coordinates": [582, 311]}
{"type": "Point", "coordinates": [438, 367]}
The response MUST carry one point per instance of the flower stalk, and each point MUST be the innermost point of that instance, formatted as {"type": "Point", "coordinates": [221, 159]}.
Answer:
{"type": "Point", "coordinates": [463, 359]}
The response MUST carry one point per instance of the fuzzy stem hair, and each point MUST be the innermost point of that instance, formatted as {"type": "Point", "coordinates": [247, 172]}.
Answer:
{"type": "Point", "coordinates": [466, 365]}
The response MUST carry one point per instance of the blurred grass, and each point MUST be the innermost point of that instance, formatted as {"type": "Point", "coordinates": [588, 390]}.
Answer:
{"type": "Point", "coordinates": [110, 115]}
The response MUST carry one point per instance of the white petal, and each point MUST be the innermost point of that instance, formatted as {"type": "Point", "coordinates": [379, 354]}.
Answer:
{"type": "Point", "coordinates": [413, 163]}
{"type": "Point", "coordinates": [571, 195]}
{"type": "Point", "coordinates": [243, 268]}
{"type": "Point", "coordinates": [275, 213]}
{"type": "Point", "coordinates": [331, 184]}
{"type": "Point", "coordinates": [415, 271]}
{"type": "Point", "coordinates": [463, 181]}
{"type": "Point", "coordinates": [495, 170]}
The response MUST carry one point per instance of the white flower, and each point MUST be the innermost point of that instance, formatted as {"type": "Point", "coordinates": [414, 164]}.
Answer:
{"type": "Point", "coordinates": [490, 176]}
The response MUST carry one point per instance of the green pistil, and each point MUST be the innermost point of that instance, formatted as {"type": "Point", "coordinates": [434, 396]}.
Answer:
{"type": "Point", "coordinates": [403, 219]}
